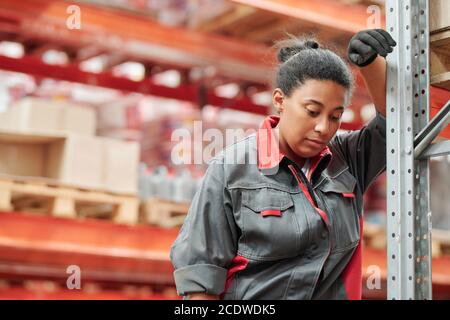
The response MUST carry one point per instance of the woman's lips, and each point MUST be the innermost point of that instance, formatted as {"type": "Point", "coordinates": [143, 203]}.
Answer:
{"type": "Point", "coordinates": [315, 143]}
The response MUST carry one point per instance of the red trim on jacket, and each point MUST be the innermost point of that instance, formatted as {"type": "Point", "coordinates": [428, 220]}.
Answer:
{"type": "Point", "coordinates": [269, 154]}
{"type": "Point", "coordinates": [316, 160]}
{"type": "Point", "coordinates": [308, 196]}
{"type": "Point", "coordinates": [352, 274]}
{"type": "Point", "coordinates": [348, 195]}
{"type": "Point", "coordinates": [272, 212]}
{"type": "Point", "coordinates": [238, 263]}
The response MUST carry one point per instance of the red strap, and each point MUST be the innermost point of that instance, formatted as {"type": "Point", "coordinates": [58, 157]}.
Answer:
{"type": "Point", "coordinates": [274, 212]}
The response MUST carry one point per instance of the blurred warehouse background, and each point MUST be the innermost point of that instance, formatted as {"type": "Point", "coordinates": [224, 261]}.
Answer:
{"type": "Point", "coordinates": [108, 115]}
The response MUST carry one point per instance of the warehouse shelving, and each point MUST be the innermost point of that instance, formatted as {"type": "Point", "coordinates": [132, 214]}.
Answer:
{"type": "Point", "coordinates": [157, 47]}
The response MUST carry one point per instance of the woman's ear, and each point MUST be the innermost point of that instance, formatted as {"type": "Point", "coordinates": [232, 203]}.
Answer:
{"type": "Point", "coordinates": [277, 100]}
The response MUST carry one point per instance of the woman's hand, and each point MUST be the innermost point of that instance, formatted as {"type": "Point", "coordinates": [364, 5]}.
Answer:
{"type": "Point", "coordinates": [366, 45]}
{"type": "Point", "coordinates": [367, 49]}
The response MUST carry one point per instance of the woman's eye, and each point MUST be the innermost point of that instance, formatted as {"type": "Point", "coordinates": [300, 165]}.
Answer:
{"type": "Point", "coordinates": [313, 113]}
{"type": "Point", "coordinates": [336, 118]}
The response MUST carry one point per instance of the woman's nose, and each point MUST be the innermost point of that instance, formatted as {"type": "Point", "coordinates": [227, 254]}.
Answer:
{"type": "Point", "coordinates": [322, 126]}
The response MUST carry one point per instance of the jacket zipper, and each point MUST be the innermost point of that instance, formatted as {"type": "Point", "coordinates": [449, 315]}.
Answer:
{"type": "Point", "coordinates": [308, 185]}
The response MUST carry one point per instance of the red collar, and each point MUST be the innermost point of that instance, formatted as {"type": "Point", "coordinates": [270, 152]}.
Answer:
{"type": "Point", "coordinates": [269, 154]}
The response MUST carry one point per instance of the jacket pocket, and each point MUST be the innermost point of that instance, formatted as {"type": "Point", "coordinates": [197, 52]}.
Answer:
{"type": "Point", "coordinates": [270, 228]}
{"type": "Point", "coordinates": [340, 201]}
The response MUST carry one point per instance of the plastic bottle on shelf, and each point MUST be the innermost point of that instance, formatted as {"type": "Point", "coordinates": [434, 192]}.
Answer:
{"type": "Point", "coordinates": [149, 183]}
{"type": "Point", "coordinates": [183, 187]}
{"type": "Point", "coordinates": [143, 186]}
{"type": "Point", "coordinates": [159, 183]}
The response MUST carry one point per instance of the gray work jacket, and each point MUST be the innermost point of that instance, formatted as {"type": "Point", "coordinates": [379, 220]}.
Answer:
{"type": "Point", "coordinates": [258, 228]}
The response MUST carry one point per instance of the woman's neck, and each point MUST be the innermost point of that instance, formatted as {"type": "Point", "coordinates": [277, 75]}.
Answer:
{"type": "Point", "coordinates": [287, 151]}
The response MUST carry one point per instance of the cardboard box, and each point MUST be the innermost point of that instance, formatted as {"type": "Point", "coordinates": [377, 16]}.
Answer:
{"type": "Point", "coordinates": [26, 155]}
{"type": "Point", "coordinates": [77, 161]}
{"type": "Point", "coordinates": [43, 115]}
{"type": "Point", "coordinates": [439, 15]}
{"type": "Point", "coordinates": [121, 161]}
{"type": "Point", "coordinates": [22, 159]}
{"type": "Point", "coordinates": [78, 119]}
{"type": "Point", "coordinates": [74, 160]}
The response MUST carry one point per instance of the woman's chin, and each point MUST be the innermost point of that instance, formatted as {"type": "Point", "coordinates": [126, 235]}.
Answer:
{"type": "Point", "coordinates": [308, 152]}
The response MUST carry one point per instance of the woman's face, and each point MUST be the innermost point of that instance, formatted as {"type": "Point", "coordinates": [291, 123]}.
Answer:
{"type": "Point", "coordinates": [310, 117]}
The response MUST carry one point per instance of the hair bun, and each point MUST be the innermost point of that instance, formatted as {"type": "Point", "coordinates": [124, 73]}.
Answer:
{"type": "Point", "coordinates": [291, 47]}
{"type": "Point", "coordinates": [311, 44]}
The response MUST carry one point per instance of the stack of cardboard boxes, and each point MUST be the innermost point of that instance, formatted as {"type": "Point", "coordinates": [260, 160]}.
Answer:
{"type": "Point", "coordinates": [56, 141]}
{"type": "Point", "coordinates": [440, 43]}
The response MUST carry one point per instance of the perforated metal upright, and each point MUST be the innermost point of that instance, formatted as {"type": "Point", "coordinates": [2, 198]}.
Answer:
{"type": "Point", "coordinates": [408, 185]}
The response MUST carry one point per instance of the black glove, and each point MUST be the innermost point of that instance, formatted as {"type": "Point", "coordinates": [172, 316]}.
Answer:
{"type": "Point", "coordinates": [367, 44]}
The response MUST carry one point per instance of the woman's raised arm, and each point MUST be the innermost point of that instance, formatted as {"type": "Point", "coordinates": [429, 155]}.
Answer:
{"type": "Point", "coordinates": [368, 49]}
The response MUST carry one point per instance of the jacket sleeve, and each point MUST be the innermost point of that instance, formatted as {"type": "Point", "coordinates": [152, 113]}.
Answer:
{"type": "Point", "coordinates": [365, 150]}
{"type": "Point", "coordinates": [207, 242]}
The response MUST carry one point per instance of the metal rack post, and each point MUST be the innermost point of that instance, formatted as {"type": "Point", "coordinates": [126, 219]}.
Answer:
{"type": "Point", "coordinates": [409, 133]}
{"type": "Point", "coordinates": [408, 222]}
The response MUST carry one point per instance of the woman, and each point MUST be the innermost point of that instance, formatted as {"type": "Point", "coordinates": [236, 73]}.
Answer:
{"type": "Point", "coordinates": [279, 214]}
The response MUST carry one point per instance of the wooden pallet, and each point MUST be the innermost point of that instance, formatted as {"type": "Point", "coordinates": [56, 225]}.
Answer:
{"type": "Point", "coordinates": [440, 242]}
{"type": "Point", "coordinates": [43, 196]}
{"type": "Point", "coordinates": [374, 236]}
{"type": "Point", "coordinates": [440, 43]}
{"type": "Point", "coordinates": [163, 213]}
{"type": "Point", "coordinates": [440, 59]}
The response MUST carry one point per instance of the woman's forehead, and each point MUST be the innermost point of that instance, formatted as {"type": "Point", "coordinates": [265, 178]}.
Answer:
{"type": "Point", "coordinates": [324, 93]}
